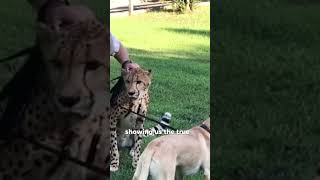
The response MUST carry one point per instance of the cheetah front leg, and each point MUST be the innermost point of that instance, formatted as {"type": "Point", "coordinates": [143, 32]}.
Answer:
{"type": "Point", "coordinates": [137, 142]}
{"type": "Point", "coordinates": [114, 152]}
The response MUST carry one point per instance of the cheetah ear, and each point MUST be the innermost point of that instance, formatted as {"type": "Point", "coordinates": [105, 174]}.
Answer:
{"type": "Point", "coordinates": [149, 72]}
{"type": "Point", "coordinates": [124, 71]}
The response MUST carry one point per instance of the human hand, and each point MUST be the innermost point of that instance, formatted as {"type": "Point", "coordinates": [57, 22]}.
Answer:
{"type": "Point", "coordinates": [129, 65]}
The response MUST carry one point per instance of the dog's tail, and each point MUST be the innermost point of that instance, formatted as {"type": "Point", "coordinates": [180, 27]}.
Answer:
{"type": "Point", "coordinates": [142, 170]}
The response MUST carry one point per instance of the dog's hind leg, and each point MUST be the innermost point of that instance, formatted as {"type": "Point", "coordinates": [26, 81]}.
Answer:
{"type": "Point", "coordinates": [170, 170]}
{"type": "Point", "coordinates": [206, 173]}
{"type": "Point", "coordinates": [206, 169]}
{"type": "Point", "coordinates": [158, 171]}
{"type": "Point", "coordinates": [170, 175]}
{"type": "Point", "coordinates": [206, 177]}
{"type": "Point", "coordinates": [163, 166]}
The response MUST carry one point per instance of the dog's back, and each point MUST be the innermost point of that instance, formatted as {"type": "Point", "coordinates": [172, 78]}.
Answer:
{"type": "Point", "coordinates": [162, 154]}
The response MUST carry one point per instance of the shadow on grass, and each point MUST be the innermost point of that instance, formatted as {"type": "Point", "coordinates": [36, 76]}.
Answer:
{"type": "Point", "coordinates": [189, 74]}
{"type": "Point", "coordinates": [179, 56]}
{"type": "Point", "coordinates": [205, 33]}
{"type": "Point", "coordinates": [161, 10]}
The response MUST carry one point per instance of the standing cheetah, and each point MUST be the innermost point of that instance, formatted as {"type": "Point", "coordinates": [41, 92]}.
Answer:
{"type": "Point", "coordinates": [59, 99]}
{"type": "Point", "coordinates": [132, 94]}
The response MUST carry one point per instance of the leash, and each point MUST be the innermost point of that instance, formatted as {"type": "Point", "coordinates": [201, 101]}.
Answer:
{"type": "Point", "coordinates": [115, 78]}
{"type": "Point", "coordinates": [150, 119]}
{"type": "Point", "coordinates": [205, 127]}
{"type": "Point", "coordinates": [17, 54]}
{"type": "Point", "coordinates": [65, 156]}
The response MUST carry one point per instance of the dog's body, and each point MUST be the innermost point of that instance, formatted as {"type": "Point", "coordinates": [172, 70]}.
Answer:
{"type": "Point", "coordinates": [173, 156]}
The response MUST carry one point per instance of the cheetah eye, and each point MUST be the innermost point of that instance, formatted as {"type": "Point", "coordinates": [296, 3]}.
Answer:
{"type": "Point", "coordinates": [139, 82]}
{"type": "Point", "coordinates": [127, 81]}
{"type": "Point", "coordinates": [92, 65]}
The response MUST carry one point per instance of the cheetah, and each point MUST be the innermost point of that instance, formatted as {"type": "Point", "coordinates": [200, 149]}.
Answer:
{"type": "Point", "coordinates": [132, 94]}
{"type": "Point", "coordinates": [60, 99]}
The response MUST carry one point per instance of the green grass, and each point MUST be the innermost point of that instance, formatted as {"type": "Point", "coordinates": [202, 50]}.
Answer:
{"type": "Point", "coordinates": [177, 49]}
{"type": "Point", "coordinates": [266, 90]}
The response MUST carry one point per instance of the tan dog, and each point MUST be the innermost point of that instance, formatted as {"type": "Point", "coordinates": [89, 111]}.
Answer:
{"type": "Point", "coordinates": [172, 156]}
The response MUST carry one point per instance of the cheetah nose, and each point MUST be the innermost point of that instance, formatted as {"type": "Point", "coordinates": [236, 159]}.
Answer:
{"type": "Point", "coordinates": [69, 101]}
{"type": "Point", "coordinates": [131, 93]}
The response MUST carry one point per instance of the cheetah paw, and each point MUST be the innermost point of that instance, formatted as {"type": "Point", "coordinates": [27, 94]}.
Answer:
{"type": "Point", "coordinates": [131, 152]}
{"type": "Point", "coordinates": [134, 164]}
{"type": "Point", "coordinates": [114, 168]}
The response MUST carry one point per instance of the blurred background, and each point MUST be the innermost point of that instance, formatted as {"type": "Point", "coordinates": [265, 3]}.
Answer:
{"type": "Point", "coordinates": [266, 83]}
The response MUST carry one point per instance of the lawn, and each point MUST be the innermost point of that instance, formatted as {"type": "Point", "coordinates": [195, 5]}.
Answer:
{"type": "Point", "coordinates": [176, 47]}
{"type": "Point", "coordinates": [266, 90]}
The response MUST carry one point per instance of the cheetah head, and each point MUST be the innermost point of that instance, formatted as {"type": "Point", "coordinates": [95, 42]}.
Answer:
{"type": "Point", "coordinates": [136, 82]}
{"type": "Point", "coordinates": [76, 61]}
